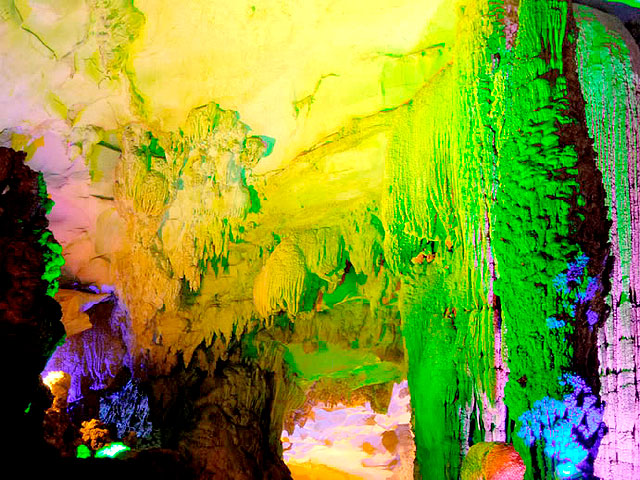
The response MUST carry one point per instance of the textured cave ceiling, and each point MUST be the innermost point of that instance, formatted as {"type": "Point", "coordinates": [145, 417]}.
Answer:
{"type": "Point", "coordinates": [153, 66]}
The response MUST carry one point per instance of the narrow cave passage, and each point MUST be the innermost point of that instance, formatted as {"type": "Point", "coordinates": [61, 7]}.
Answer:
{"type": "Point", "coordinates": [346, 442]}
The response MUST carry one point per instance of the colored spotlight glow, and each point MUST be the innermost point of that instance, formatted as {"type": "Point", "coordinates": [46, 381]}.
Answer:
{"type": "Point", "coordinates": [567, 471]}
{"type": "Point", "coordinates": [83, 452]}
{"type": "Point", "coordinates": [112, 450]}
{"type": "Point", "coordinates": [52, 378]}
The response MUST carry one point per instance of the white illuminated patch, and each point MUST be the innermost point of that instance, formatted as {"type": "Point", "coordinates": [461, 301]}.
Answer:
{"type": "Point", "coordinates": [356, 440]}
{"type": "Point", "coordinates": [52, 378]}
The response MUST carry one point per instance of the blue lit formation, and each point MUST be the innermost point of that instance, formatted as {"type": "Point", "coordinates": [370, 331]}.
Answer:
{"type": "Point", "coordinates": [570, 430]}
{"type": "Point", "coordinates": [128, 410]}
{"type": "Point", "coordinates": [575, 288]}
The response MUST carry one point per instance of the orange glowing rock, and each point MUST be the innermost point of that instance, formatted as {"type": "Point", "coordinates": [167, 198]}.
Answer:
{"type": "Point", "coordinates": [449, 244]}
{"type": "Point", "coordinates": [493, 461]}
{"type": "Point", "coordinates": [418, 259]}
{"type": "Point", "coordinates": [368, 448]}
{"type": "Point", "coordinates": [390, 441]}
{"type": "Point", "coordinates": [422, 257]}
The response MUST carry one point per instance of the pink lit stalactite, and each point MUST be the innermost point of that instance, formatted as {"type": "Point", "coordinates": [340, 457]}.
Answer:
{"type": "Point", "coordinates": [619, 339]}
{"type": "Point", "coordinates": [633, 141]}
{"type": "Point", "coordinates": [609, 68]}
{"type": "Point", "coordinates": [619, 455]}
{"type": "Point", "coordinates": [495, 413]}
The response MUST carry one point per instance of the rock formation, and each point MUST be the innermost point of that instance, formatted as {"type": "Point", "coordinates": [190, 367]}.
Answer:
{"type": "Point", "coordinates": [489, 461]}
{"type": "Point", "coordinates": [29, 317]}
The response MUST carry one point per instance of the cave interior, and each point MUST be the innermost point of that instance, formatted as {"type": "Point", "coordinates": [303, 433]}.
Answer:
{"type": "Point", "coordinates": [327, 239]}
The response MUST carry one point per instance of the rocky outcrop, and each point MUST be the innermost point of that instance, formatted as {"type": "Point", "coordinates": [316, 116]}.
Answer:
{"type": "Point", "coordinates": [223, 414]}
{"type": "Point", "coordinates": [30, 324]}
{"type": "Point", "coordinates": [95, 356]}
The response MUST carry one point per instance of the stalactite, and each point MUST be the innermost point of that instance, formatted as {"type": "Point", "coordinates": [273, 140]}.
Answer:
{"type": "Point", "coordinates": [281, 283]}
{"type": "Point", "coordinates": [609, 74]}
{"type": "Point", "coordinates": [184, 196]}
{"type": "Point", "coordinates": [323, 251]}
{"type": "Point", "coordinates": [479, 110]}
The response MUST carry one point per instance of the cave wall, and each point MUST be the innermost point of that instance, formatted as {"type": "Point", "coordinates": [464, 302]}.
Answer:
{"type": "Point", "coordinates": [30, 327]}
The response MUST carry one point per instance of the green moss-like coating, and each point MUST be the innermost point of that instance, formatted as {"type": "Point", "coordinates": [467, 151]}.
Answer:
{"type": "Point", "coordinates": [481, 266]}
{"type": "Point", "coordinates": [52, 249]}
